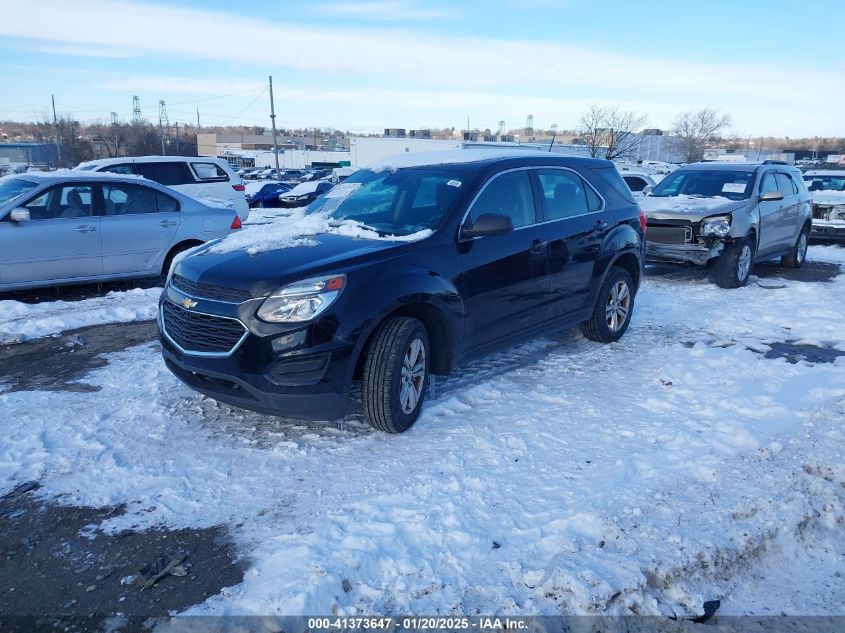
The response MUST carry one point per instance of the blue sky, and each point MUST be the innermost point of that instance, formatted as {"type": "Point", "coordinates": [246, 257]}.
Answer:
{"type": "Point", "coordinates": [369, 64]}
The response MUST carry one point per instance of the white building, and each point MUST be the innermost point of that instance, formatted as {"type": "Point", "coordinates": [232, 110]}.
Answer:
{"type": "Point", "coordinates": [370, 149]}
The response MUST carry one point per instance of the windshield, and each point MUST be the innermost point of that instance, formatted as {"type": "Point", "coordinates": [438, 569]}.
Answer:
{"type": "Point", "coordinates": [727, 183]}
{"type": "Point", "coordinates": [833, 182]}
{"type": "Point", "coordinates": [398, 202]}
{"type": "Point", "coordinates": [13, 188]}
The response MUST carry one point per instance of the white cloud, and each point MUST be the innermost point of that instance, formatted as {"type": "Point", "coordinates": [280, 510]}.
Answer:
{"type": "Point", "coordinates": [546, 78]}
{"type": "Point", "coordinates": [384, 10]}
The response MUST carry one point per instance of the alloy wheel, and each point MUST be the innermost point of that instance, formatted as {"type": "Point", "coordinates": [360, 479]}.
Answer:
{"type": "Point", "coordinates": [743, 264]}
{"type": "Point", "coordinates": [413, 376]}
{"type": "Point", "coordinates": [802, 248]}
{"type": "Point", "coordinates": [618, 306]}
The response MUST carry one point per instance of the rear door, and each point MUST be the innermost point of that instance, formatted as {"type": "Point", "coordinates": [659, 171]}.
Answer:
{"type": "Point", "coordinates": [60, 241]}
{"type": "Point", "coordinates": [576, 228]}
{"type": "Point", "coordinates": [791, 220]}
{"type": "Point", "coordinates": [505, 278]}
{"type": "Point", "coordinates": [138, 227]}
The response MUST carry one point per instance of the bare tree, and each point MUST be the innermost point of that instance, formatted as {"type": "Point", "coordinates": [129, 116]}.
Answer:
{"type": "Point", "coordinates": [609, 132]}
{"type": "Point", "coordinates": [695, 130]}
{"type": "Point", "coordinates": [113, 136]}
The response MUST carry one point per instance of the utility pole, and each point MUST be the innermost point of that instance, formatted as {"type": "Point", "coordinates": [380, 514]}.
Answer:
{"type": "Point", "coordinates": [198, 120]}
{"type": "Point", "coordinates": [163, 122]}
{"type": "Point", "coordinates": [56, 125]}
{"type": "Point", "coordinates": [136, 110]}
{"type": "Point", "coordinates": [554, 136]}
{"type": "Point", "coordinates": [273, 125]}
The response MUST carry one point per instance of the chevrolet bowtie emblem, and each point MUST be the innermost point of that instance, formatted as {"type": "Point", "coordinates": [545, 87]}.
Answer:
{"type": "Point", "coordinates": [188, 303]}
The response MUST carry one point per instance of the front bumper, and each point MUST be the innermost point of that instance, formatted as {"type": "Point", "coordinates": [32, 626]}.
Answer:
{"type": "Point", "coordinates": [698, 254]}
{"type": "Point", "coordinates": [301, 372]}
{"type": "Point", "coordinates": [826, 230]}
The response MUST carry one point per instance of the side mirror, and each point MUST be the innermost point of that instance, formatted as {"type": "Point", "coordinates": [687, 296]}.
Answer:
{"type": "Point", "coordinates": [647, 190]}
{"type": "Point", "coordinates": [19, 215]}
{"type": "Point", "coordinates": [489, 224]}
{"type": "Point", "coordinates": [771, 196]}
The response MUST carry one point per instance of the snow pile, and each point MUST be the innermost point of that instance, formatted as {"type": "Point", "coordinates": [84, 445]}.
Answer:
{"type": "Point", "coordinates": [300, 229]}
{"type": "Point", "coordinates": [21, 321]}
{"type": "Point", "coordinates": [646, 476]}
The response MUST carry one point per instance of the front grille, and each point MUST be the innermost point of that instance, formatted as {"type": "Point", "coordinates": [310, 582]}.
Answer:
{"type": "Point", "coordinates": [201, 333]}
{"type": "Point", "coordinates": [209, 291]}
{"type": "Point", "coordinates": [668, 234]}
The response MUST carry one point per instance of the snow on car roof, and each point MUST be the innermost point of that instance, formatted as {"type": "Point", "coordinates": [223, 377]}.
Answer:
{"type": "Point", "coordinates": [452, 157]}
{"type": "Point", "coordinates": [309, 186]}
{"type": "Point", "coordinates": [77, 174]}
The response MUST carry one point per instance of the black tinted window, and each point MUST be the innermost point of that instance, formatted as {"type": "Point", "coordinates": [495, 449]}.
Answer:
{"type": "Point", "coordinates": [171, 173]}
{"type": "Point", "coordinates": [635, 183]}
{"type": "Point", "coordinates": [507, 194]}
{"type": "Point", "coordinates": [123, 168]}
{"type": "Point", "coordinates": [564, 193]}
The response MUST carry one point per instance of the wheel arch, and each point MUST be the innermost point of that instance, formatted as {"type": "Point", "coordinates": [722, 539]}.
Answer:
{"type": "Point", "coordinates": [174, 250]}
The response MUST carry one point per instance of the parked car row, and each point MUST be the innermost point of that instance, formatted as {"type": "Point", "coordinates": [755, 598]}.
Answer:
{"type": "Point", "coordinates": [827, 188]}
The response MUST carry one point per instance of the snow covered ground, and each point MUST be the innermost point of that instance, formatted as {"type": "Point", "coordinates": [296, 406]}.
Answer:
{"type": "Point", "coordinates": [677, 466]}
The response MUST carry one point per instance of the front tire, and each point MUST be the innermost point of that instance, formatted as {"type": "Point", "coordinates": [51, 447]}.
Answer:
{"type": "Point", "coordinates": [396, 374]}
{"type": "Point", "coordinates": [795, 259]}
{"type": "Point", "coordinates": [734, 266]}
{"type": "Point", "coordinates": [614, 306]}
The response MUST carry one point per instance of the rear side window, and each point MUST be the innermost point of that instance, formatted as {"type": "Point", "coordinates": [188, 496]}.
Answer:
{"type": "Point", "coordinates": [507, 194]}
{"type": "Point", "coordinates": [564, 193]}
{"type": "Point", "coordinates": [168, 173]}
{"type": "Point", "coordinates": [209, 171]}
{"type": "Point", "coordinates": [128, 199]}
{"type": "Point", "coordinates": [635, 183]}
{"type": "Point", "coordinates": [612, 178]}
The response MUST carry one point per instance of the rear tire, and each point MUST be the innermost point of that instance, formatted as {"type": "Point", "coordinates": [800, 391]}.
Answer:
{"type": "Point", "coordinates": [613, 309]}
{"type": "Point", "coordinates": [796, 258]}
{"type": "Point", "coordinates": [734, 266]}
{"type": "Point", "coordinates": [396, 374]}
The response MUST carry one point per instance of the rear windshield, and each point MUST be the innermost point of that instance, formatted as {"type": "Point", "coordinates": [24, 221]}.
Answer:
{"type": "Point", "coordinates": [826, 183]}
{"type": "Point", "coordinates": [707, 183]}
{"type": "Point", "coordinates": [394, 202]}
{"type": "Point", "coordinates": [11, 189]}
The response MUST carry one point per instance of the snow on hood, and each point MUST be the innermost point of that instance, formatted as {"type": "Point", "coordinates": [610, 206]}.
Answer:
{"type": "Point", "coordinates": [828, 196]}
{"type": "Point", "coordinates": [692, 208]}
{"type": "Point", "coordinates": [300, 229]}
{"type": "Point", "coordinates": [304, 188]}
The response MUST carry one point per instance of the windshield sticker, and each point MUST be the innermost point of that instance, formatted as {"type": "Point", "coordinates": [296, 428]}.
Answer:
{"type": "Point", "coordinates": [733, 187]}
{"type": "Point", "coordinates": [342, 190]}
{"type": "Point", "coordinates": [454, 183]}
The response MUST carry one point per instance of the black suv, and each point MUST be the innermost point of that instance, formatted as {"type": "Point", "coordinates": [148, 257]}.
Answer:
{"type": "Point", "coordinates": [500, 248]}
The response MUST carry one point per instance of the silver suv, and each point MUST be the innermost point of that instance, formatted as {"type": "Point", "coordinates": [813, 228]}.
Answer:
{"type": "Point", "coordinates": [727, 216]}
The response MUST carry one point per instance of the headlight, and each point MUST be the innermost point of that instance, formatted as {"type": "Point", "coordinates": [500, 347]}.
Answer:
{"type": "Point", "coordinates": [838, 212]}
{"type": "Point", "coordinates": [302, 300]}
{"type": "Point", "coordinates": [305, 197]}
{"type": "Point", "coordinates": [718, 225]}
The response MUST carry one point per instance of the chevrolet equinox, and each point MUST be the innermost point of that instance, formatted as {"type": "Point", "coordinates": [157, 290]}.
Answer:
{"type": "Point", "coordinates": [458, 254]}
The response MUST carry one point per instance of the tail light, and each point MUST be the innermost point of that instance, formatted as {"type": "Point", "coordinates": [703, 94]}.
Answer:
{"type": "Point", "coordinates": [643, 221]}
{"type": "Point", "coordinates": [239, 187]}
{"type": "Point", "coordinates": [236, 223]}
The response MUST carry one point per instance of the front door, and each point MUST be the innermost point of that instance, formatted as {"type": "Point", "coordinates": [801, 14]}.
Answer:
{"type": "Point", "coordinates": [139, 225]}
{"type": "Point", "coordinates": [773, 214]}
{"type": "Point", "coordinates": [60, 241]}
{"type": "Point", "coordinates": [505, 278]}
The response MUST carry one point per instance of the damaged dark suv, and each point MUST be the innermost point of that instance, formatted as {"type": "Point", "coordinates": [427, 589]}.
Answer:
{"type": "Point", "coordinates": [403, 271]}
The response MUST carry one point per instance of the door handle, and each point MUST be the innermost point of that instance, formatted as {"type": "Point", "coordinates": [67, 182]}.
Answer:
{"type": "Point", "coordinates": [85, 228]}
{"type": "Point", "coordinates": [167, 223]}
{"type": "Point", "coordinates": [537, 246]}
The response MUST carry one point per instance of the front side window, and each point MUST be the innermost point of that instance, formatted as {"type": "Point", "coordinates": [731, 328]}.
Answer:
{"type": "Point", "coordinates": [785, 185]}
{"type": "Point", "coordinates": [61, 201]}
{"type": "Point", "coordinates": [707, 183]}
{"type": "Point", "coordinates": [564, 193]}
{"type": "Point", "coordinates": [769, 183]}
{"type": "Point", "coordinates": [507, 194]}
{"type": "Point", "coordinates": [399, 202]}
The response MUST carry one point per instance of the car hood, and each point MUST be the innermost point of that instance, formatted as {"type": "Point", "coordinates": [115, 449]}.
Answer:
{"type": "Point", "coordinates": [263, 272]}
{"type": "Point", "coordinates": [692, 208]}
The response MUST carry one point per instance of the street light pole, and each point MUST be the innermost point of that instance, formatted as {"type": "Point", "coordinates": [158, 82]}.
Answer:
{"type": "Point", "coordinates": [273, 125]}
